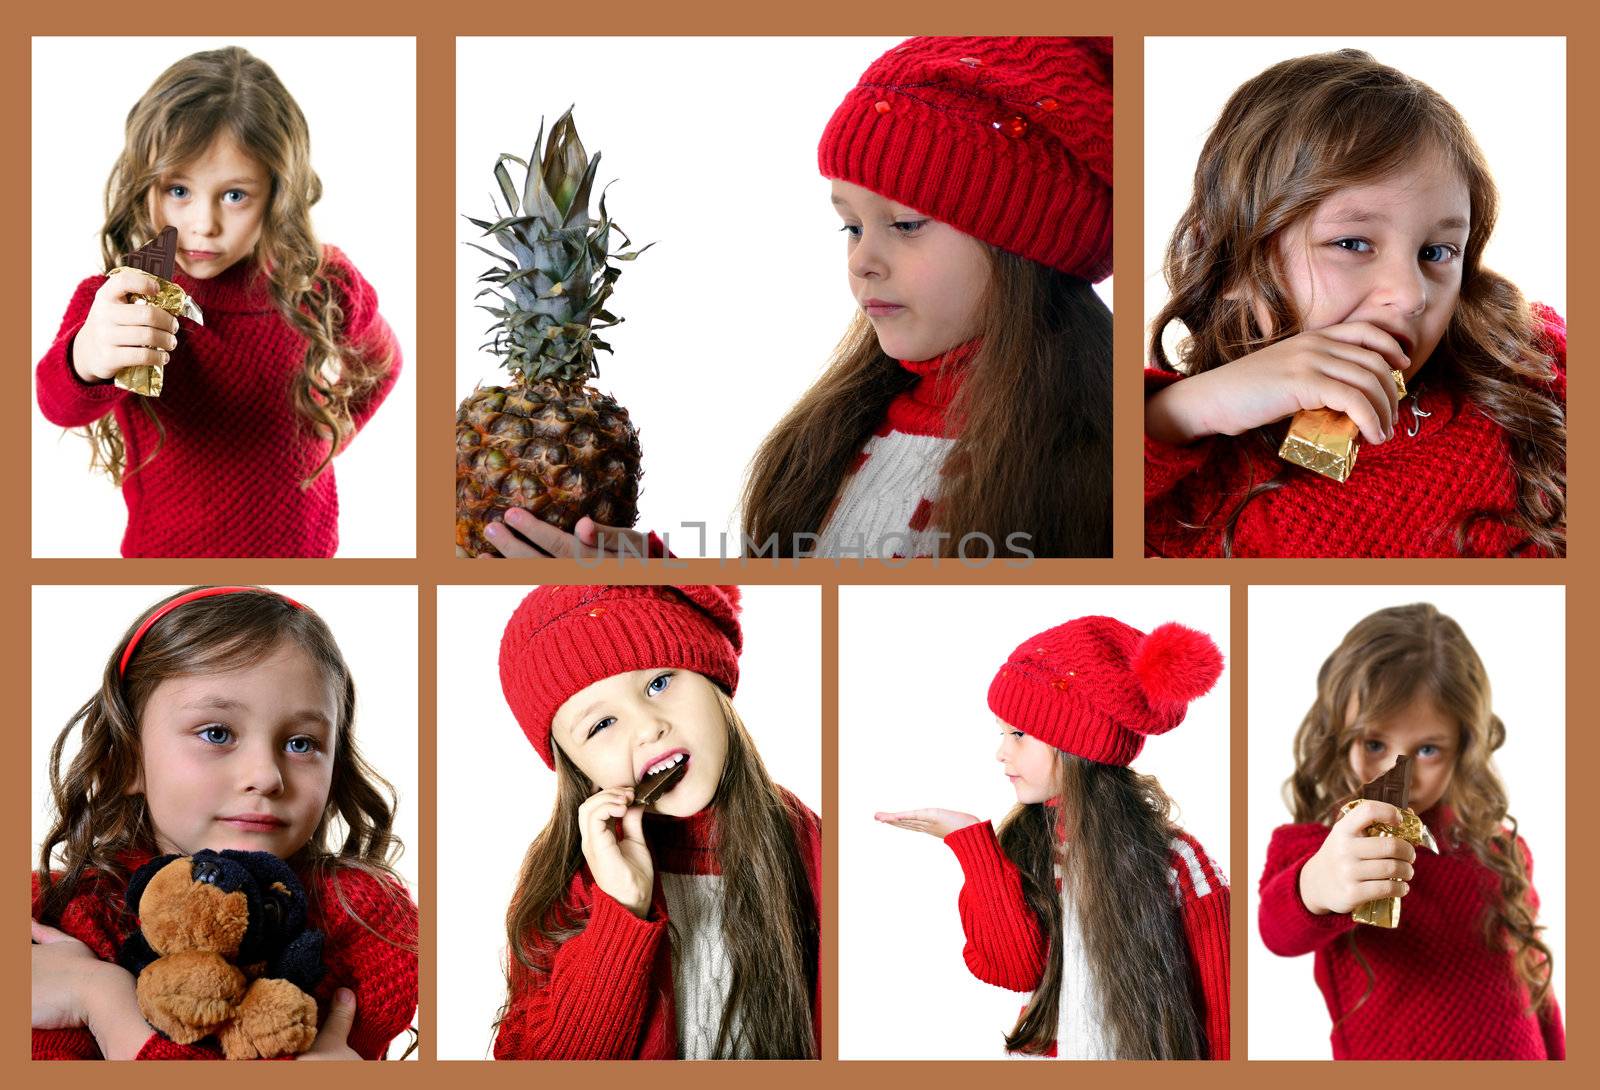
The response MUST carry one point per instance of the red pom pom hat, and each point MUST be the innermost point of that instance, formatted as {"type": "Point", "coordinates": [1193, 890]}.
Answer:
{"type": "Point", "coordinates": [1005, 139]}
{"type": "Point", "coordinates": [563, 639]}
{"type": "Point", "coordinates": [1096, 687]}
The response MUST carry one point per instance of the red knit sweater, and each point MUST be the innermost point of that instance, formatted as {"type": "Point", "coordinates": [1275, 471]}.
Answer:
{"type": "Point", "coordinates": [609, 992]}
{"type": "Point", "coordinates": [1405, 497]}
{"type": "Point", "coordinates": [226, 480]}
{"type": "Point", "coordinates": [1005, 948]}
{"type": "Point", "coordinates": [376, 967]}
{"type": "Point", "coordinates": [1438, 991]}
{"type": "Point", "coordinates": [885, 503]}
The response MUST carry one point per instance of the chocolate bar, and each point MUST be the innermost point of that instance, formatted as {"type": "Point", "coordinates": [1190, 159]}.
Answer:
{"type": "Point", "coordinates": [658, 783]}
{"type": "Point", "coordinates": [158, 257]}
{"type": "Point", "coordinates": [1394, 786]}
{"type": "Point", "coordinates": [1325, 441]}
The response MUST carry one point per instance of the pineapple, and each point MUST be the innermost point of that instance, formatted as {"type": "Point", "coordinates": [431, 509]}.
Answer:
{"type": "Point", "coordinates": [548, 441]}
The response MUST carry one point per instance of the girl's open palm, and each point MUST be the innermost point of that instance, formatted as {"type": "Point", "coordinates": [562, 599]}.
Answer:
{"type": "Point", "coordinates": [613, 845]}
{"type": "Point", "coordinates": [933, 821]}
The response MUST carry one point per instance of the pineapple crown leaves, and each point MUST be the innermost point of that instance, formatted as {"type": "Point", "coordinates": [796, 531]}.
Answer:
{"type": "Point", "coordinates": [548, 296]}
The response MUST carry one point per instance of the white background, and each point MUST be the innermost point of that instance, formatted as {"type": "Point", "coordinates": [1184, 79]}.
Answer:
{"type": "Point", "coordinates": [915, 730]}
{"type": "Point", "coordinates": [1511, 91]}
{"type": "Point", "coordinates": [1518, 632]}
{"type": "Point", "coordinates": [76, 629]}
{"type": "Point", "coordinates": [495, 794]}
{"type": "Point", "coordinates": [359, 98]}
{"type": "Point", "coordinates": [713, 146]}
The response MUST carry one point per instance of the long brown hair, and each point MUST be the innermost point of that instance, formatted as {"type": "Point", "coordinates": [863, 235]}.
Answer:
{"type": "Point", "coordinates": [769, 920]}
{"type": "Point", "coordinates": [97, 821]}
{"type": "Point", "coordinates": [189, 105]}
{"type": "Point", "coordinates": [1111, 835]}
{"type": "Point", "coordinates": [1032, 424]}
{"type": "Point", "coordinates": [1286, 141]}
{"type": "Point", "coordinates": [1386, 661]}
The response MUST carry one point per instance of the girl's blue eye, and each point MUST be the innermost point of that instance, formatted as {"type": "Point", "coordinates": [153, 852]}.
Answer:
{"type": "Point", "coordinates": [851, 229]}
{"type": "Point", "coordinates": [1439, 252]}
{"type": "Point", "coordinates": [235, 196]}
{"type": "Point", "coordinates": [659, 683]}
{"type": "Point", "coordinates": [600, 726]}
{"type": "Point", "coordinates": [1429, 750]}
{"type": "Point", "coordinates": [179, 191]}
{"type": "Point", "coordinates": [1353, 245]}
{"type": "Point", "coordinates": [301, 743]}
{"type": "Point", "coordinates": [216, 734]}
{"type": "Point", "coordinates": [909, 227]}
{"type": "Point", "coordinates": [1372, 745]}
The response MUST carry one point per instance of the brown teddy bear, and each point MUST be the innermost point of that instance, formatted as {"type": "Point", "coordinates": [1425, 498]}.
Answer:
{"type": "Point", "coordinates": [223, 948]}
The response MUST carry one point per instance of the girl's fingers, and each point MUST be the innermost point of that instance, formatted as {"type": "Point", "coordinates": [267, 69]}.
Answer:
{"type": "Point", "coordinates": [1374, 364]}
{"type": "Point", "coordinates": [1372, 337]}
{"type": "Point", "coordinates": [1377, 891]}
{"type": "Point", "coordinates": [131, 282]}
{"type": "Point", "coordinates": [1383, 870]}
{"type": "Point", "coordinates": [1384, 847]}
{"type": "Point", "coordinates": [508, 545]}
{"type": "Point", "coordinates": [139, 357]}
{"type": "Point", "coordinates": [633, 823]}
{"type": "Point", "coordinates": [610, 540]}
{"type": "Point", "coordinates": [1367, 812]}
{"type": "Point", "coordinates": [1363, 384]}
{"type": "Point", "coordinates": [137, 314]}
{"type": "Point", "coordinates": [548, 539]}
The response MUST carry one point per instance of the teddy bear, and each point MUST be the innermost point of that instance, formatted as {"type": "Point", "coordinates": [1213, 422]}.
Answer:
{"type": "Point", "coordinates": [223, 948]}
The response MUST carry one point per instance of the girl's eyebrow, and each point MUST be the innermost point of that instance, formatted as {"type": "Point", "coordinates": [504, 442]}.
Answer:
{"type": "Point", "coordinates": [1371, 215]}
{"type": "Point", "coordinates": [227, 704]}
{"type": "Point", "coordinates": [178, 176]}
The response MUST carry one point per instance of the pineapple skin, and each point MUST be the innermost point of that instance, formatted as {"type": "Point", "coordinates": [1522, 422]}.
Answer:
{"type": "Point", "coordinates": [560, 450]}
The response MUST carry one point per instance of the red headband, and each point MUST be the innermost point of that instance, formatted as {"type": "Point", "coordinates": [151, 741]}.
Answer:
{"type": "Point", "coordinates": [192, 596]}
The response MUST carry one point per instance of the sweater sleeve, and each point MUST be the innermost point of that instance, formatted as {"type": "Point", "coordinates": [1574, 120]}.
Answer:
{"type": "Point", "coordinates": [808, 832]}
{"type": "Point", "coordinates": [1204, 911]}
{"type": "Point", "coordinates": [366, 332]}
{"type": "Point", "coordinates": [370, 948]}
{"type": "Point", "coordinates": [85, 920]}
{"type": "Point", "coordinates": [1550, 1023]}
{"type": "Point", "coordinates": [64, 398]}
{"type": "Point", "coordinates": [1004, 945]}
{"type": "Point", "coordinates": [1165, 464]}
{"type": "Point", "coordinates": [1553, 339]}
{"type": "Point", "coordinates": [1288, 927]}
{"type": "Point", "coordinates": [591, 1005]}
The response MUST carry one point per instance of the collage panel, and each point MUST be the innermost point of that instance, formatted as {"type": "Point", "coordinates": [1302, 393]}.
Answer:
{"type": "Point", "coordinates": [1355, 297]}
{"type": "Point", "coordinates": [1084, 867]}
{"type": "Point", "coordinates": [257, 194]}
{"type": "Point", "coordinates": [631, 828]}
{"type": "Point", "coordinates": [1406, 757]}
{"type": "Point", "coordinates": [227, 763]}
{"type": "Point", "coordinates": [856, 302]}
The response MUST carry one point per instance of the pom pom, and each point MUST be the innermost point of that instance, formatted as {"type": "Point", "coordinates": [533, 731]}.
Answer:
{"type": "Point", "coordinates": [1175, 664]}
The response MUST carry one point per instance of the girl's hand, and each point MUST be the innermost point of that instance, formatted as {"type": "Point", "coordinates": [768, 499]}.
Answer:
{"type": "Point", "coordinates": [1344, 367]}
{"type": "Point", "coordinates": [621, 865]}
{"type": "Point", "coordinates": [332, 1038]}
{"type": "Point", "coordinates": [934, 822]}
{"type": "Point", "coordinates": [1352, 868]}
{"type": "Point", "coordinates": [590, 538]}
{"type": "Point", "coordinates": [65, 972]}
{"type": "Point", "coordinates": [119, 334]}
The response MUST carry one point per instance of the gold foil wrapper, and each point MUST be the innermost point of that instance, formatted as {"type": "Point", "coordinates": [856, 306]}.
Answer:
{"type": "Point", "coordinates": [1385, 912]}
{"type": "Point", "coordinates": [146, 380]}
{"type": "Point", "coordinates": [1325, 441]}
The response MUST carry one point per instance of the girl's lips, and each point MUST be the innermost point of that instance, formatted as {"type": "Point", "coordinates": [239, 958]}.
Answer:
{"type": "Point", "coordinates": [200, 255]}
{"type": "Point", "coordinates": [877, 308]}
{"type": "Point", "coordinates": [258, 823]}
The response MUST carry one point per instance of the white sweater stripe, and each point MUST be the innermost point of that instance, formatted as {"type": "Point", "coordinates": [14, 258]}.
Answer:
{"type": "Point", "coordinates": [873, 515]}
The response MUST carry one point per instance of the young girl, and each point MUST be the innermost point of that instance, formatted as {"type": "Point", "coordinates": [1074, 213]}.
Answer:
{"type": "Point", "coordinates": [233, 459]}
{"type": "Point", "coordinates": [225, 720]}
{"type": "Point", "coordinates": [680, 925]}
{"type": "Point", "coordinates": [1090, 897]}
{"type": "Point", "coordinates": [1465, 976]}
{"type": "Point", "coordinates": [967, 410]}
{"type": "Point", "coordinates": [1335, 238]}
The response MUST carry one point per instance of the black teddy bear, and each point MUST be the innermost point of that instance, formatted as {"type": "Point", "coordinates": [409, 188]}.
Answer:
{"type": "Point", "coordinates": [223, 948]}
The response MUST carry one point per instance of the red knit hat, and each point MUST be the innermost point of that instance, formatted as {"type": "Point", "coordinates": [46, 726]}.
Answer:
{"type": "Point", "coordinates": [1095, 686]}
{"type": "Point", "coordinates": [564, 639]}
{"type": "Point", "coordinates": [1006, 139]}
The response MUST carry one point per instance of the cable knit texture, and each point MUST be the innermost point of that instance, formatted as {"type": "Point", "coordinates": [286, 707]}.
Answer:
{"type": "Point", "coordinates": [1005, 948]}
{"type": "Point", "coordinates": [1405, 497]}
{"type": "Point", "coordinates": [613, 991]}
{"type": "Point", "coordinates": [1439, 992]}
{"type": "Point", "coordinates": [1006, 139]}
{"type": "Point", "coordinates": [376, 967]}
{"type": "Point", "coordinates": [226, 479]}
{"type": "Point", "coordinates": [562, 639]}
{"type": "Point", "coordinates": [885, 504]}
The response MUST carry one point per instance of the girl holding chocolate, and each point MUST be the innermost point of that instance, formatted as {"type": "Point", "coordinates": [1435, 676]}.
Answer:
{"type": "Point", "coordinates": [1461, 973]}
{"type": "Point", "coordinates": [1330, 267]}
{"type": "Point", "coordinates": [220, 434]}
{"type": "Point", "coordinates": [670, 907]}
{"type": "Point", "coordinates": [1089, 896]}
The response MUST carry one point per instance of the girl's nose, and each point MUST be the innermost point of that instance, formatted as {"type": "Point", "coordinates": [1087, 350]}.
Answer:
{"type": "Point", "coordinates": [866, 257]}
{"type": "Point", "coordinates": [1403, 286]}
{"type": "Point", "coordinates": [204, 220]}
{"type": "Point", "coordinates": [261, 772]}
